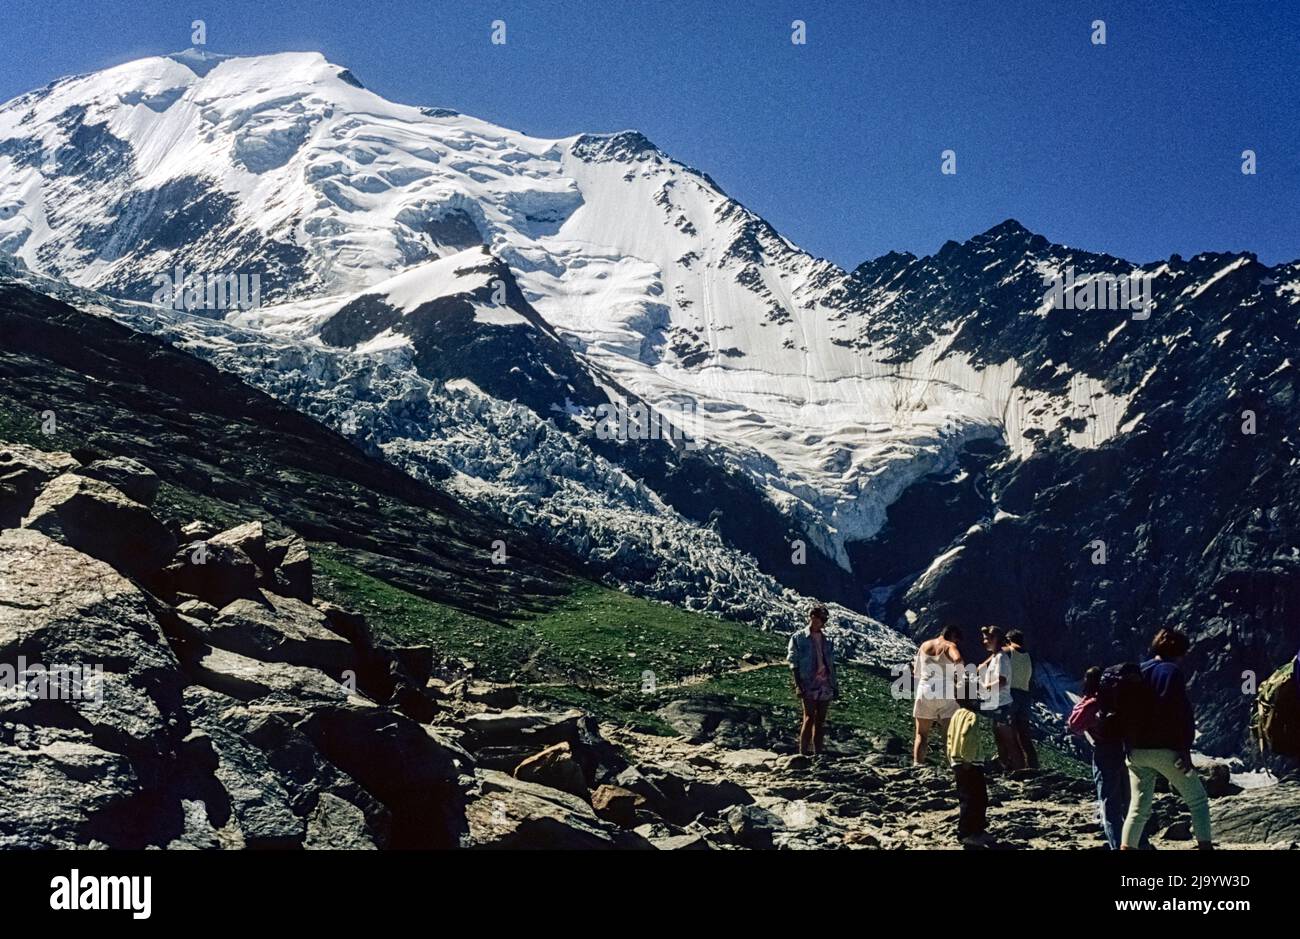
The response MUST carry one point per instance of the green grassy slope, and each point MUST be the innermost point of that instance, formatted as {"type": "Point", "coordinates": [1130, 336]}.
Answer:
{"type": "Point", "coordinates": [592, 647]}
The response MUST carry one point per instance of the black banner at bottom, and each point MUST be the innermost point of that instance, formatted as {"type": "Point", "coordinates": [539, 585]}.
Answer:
{"type": "Point", "coordinates": [334, 888]}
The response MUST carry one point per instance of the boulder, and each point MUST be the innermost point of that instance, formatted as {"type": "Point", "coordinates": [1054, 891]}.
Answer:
{"type": "Point", "coordinates": [197, 609]}
{"type": "Point", "coordinates": [351, 626]}
{"type": "Point", "coordinates": [274, 729]}
{"type": "Point", "coordinates": [1266, 816]}
{"type": "Point", "coordinates": [218, 574]}
{"type": "Point", "coordinates": [23, 471]}
{"type": "Point", "coordinates": [337, 825]}
{"type": "Point", "coordinates": [249, 538]}
{"type": "Point", "coordinates": [720, 720]}
{"type": "Point", "coordinates": [197, 531]}
{"type": "Point", "coordinates": [616, 804]}
{"type": "Point", "coordinates": [97, 519]}
{"type": "Point", "coordinates": [679, 798]}
{"type": "Point", "coordinates": [247, 679]}
{"type": "Point", "coordinates": [750, 760]}
{"type": "Point", "coordinates": [198, 833]}
{"type": "Point", "coordinates": [555, 767]}
{"type": "Point", "coordinates": [280, 629]}
{"type": "Point", "coordinates": [58, 790]}
{"type": "Point", "coordinates": [687, 842]}
{"type": "Point", "coordinates": [292, 567]}
{"type": "Point", "coordinates": [134, 479]}
{"type": "Point", "coordinates": [252, 793]}
{"type": "Point", "coordinates": [752, 826]}
{"type": "Point", "coordinates": [502, 739]}
{"type": "Point", "coordinates": [62, 608]}
{"type": "Point", "coordinates": [493, 728]}
{"type": "Point", "coordinates": [492, 695]}
{"type": "Point", "coordinates": [408, 769]}
{"type": "Point", "coordinates": [1218, 782]}
{"type": "Point", "coordinates": [513, 814]}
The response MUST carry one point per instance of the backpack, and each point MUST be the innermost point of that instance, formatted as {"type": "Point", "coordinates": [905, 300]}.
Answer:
{"type": "Point", "coordinates": [1124, 700]}
{"type": "Point", "coordinates": [1083, 719]}
{"type": "Point", "coordinates": [1276, 724]}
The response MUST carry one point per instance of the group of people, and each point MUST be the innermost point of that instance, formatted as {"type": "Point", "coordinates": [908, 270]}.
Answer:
{"type": "Point", "coordinates": [940, 683]}
{"type": "Point", "coordinates": [947, 696]}
{"type": "Point", "coordinates": [1137, 717]}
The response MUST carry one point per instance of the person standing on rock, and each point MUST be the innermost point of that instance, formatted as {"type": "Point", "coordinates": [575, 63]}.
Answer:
{"type": "Point", "coordinates": [1022, 671]}
{"type": "Point", "coordinates": [995, 697]}
{"type": "Point", "coordinates": [811, 655]}
{"type": "Point", "coordinates": [934, 699]}
{"type": "Point", "coordinates": [1160, 742]}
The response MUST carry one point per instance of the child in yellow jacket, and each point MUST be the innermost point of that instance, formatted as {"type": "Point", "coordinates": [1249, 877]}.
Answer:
{"type": "Point", "coordinates": [965, 753]}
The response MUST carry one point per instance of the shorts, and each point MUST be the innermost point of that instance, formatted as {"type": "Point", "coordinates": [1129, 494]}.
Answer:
{"type": "Point", "coordinates": [934, 709]}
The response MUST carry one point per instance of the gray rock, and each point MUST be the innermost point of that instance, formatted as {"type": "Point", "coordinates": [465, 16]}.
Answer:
{"type": "Point", "coordinates": [397, 760]}
{"type": "Point", "coordinates": [274, 729]}
{"type": "Point", "coordinates": [491, 728]}
{"type": "Point", "coordinates": [249, 538]}
{"type": "Point", "coordinates": [511, 813]}
{"type": "Point", "coordinates": [64, 608]}
{"type": "Point", "coordinates": [337, 825]}
{"type": "Point", "coordinates": [680, 799]}
{"type": "Point", "coordinates": [197, 609]}
{"type": "Point", "coordinates": [97, 519]}
{"type": "Point", "coordinates": [197, 531]}
{"type": "Point", "coordinates": [258, 800]}
{"type": "Point", "coordinates": [752, 826]}
{"type": "Point", "coordinates": [134, 479]}
{"type": "Point", "coordinates": [720, 720]}
{"type": "Point", "coordinates": [57, 790]}
{"type": "Point", "coordinates": [246, 679]}
{"type": "Point", "coordinates": [1258, 816]}
{"type": "Point", "coordinates": [280, 629]}
{"type": "Point", "coordinates": [198, 833]}
{"type": "Point", "coordinates": [218, 574]}
{"type": "Point", "coordinates": [292, 567]}
{"type": "Point", "coordinates": [23, 471]}
{"type": "Point", "coordinates": [686, 842]}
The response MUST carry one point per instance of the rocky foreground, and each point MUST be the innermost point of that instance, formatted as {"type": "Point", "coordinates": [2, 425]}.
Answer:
{"type": "Point", "coordinates": [236, 710]}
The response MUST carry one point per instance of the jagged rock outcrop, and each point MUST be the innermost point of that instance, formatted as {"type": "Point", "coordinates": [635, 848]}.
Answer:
{"type": "Point", "coordinates": [100, 520]}
{"type": "Point", "coordinates": [144, 716]}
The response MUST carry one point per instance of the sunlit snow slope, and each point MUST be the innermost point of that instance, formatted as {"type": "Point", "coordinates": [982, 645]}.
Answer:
{"type": "Point", "coordinates": [286, 166]}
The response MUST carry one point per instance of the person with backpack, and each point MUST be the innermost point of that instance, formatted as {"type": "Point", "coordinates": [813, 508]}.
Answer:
{"type": "Point", "coordinates": [995, 697]}
{"type": "Point", "coordinates": [933, 699]}
{"type": "Point", "coordinates": [966, 755]}
{"type": "Point", "coordinates": [812, 661]}
{"type": "Point", "coordinates": [1160, 729]}
{"type": "Point", "coordinates": [1022, 701]}
{"type": "Point", "coordinates": [1093, 718]}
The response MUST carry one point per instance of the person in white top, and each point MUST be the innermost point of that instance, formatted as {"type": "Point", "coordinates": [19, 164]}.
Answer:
{"type": "Point", "coordinates": [995, 695]}
{"type": "Point", "coordinates": [937, 661]}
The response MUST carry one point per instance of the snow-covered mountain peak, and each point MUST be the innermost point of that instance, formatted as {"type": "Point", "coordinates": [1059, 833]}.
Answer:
{"type": "Point", "coordinates": [832, 393]}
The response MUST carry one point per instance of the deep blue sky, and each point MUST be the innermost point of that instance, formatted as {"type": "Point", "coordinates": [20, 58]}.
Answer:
{"type": "Point", "coordinates": [1132, 148]}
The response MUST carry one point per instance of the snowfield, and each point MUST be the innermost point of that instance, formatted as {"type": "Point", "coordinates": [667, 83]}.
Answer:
{"type": "Point", "coordinates": [645, 266]}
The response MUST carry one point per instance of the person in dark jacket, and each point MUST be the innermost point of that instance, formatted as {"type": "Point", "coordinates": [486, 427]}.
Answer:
{"type": "Point", "coordinates": [1160, 742]}
{"type": "Point", "coordinates": [812, 663]}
